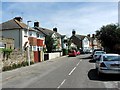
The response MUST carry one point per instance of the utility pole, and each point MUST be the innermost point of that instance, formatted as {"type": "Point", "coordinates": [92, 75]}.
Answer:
{"type": "Point", "coordinates": [28, 48]}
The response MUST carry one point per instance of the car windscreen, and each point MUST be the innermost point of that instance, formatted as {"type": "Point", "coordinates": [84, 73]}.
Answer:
{"type": "Point", "coordinates": [111, 58]}
{"type": "Point", "coordinates": [99, 52]}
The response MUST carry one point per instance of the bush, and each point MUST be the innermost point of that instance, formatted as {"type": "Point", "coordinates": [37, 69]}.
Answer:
{"type": "Point", "coordinates": [31, 62]}
{"type": "Point", "coordinates": [6, 52]}
{"type": "Point", "coordinates": [25, 63]}
{"type": "Point", "coordinates": [6, 68]}
{"type": "Point", "coordinates": [14, 66]}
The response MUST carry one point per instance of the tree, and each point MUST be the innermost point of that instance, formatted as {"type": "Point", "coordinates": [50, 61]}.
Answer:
{"type": "Point", "coordinates": [49, 43]}
{"type": "Point", "coordinates": [109, 37]}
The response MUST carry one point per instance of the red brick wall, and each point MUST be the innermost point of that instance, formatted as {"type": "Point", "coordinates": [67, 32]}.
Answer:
{"type": "Point", "coordinates": [39, 42]}
{"type": "Point", "coordinates": [33, 41]}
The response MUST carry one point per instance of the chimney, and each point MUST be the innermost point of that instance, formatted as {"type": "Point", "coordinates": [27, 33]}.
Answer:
{"type": "Point", "coordinates": [55, 29]}
{"type": "Point", "coordinates": [36, 24]}
{"type": "Point", "coordinates": [88, 35]}
{"type": "Point", "coordinates": [73, 32]}
{"type": "Point", "coordinates": [18, 19]}
{"type": "Point", "coordinates": [93, 35]}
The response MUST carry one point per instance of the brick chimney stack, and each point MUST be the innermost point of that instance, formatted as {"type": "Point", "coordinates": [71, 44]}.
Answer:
{"type": "Point", "coordinates": [18, 19]}
{"type": "Point", "coordinates": [36, 24]}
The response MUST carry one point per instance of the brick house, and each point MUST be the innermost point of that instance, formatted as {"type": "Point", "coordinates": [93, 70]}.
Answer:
{"type": "Point", "coordinates": [53, 33]}
{"type": "Point", "coordinates": [85, 43]}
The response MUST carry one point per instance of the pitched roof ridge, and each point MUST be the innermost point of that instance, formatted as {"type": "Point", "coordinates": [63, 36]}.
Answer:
{"type": "Point", "coordinates": [17, 22]}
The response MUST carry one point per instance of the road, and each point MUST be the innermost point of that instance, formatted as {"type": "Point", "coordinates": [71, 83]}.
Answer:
{"type": "Point", "coordinates": [64, 72]}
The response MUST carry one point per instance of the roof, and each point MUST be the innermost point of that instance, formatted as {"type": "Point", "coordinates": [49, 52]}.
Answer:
{"type": "Point", "coordinates": [47, 31]}
{"type": "Point", "coordinates": [14, 24]}
{"type": "Point", "coordinates": [63, 36]}
{"type": "Point", "coordinates": [81, 37]}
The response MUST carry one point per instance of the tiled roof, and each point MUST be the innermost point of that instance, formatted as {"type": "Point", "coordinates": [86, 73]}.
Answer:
{"type": "Point", "coordinates": [81, 37]}
{"type": "Point", "coordinates": [13, 24]}
{"type": "Point", "coordinates": [47, 31]}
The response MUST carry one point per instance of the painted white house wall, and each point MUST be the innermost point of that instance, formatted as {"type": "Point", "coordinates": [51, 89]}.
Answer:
{"type": "Point", "coordinates": [54, 36]}
{"type": "Point", "coordinates": [37, 36]}
{"type": "Point", "coordinates": [64, 45]}
{"type": "Point", "coordinates": [24, 37]}
{"type": "Point", "coordinates": [86, 44]}
{"type": "Point", "coordinates": [95, 44]}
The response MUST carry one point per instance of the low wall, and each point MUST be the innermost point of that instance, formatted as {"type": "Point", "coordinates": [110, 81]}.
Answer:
{"type": "Point", "coordinates": [48, 56]}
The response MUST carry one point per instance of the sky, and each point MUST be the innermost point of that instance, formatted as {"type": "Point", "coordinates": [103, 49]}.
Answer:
{"type": "Point", "coordinates": [84, 17]}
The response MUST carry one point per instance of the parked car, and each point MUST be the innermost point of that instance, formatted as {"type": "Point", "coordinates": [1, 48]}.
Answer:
{"type": "Point", "coordinates": [72, 53]}
{"type": "Point", "coordinates": [97, 54]}
{"type": "Point", "coordinates": [108, 64]}
{"type": "Point", "coordinates": [78, 52]}
{"type": "Point", "coordinates": [95, 51]}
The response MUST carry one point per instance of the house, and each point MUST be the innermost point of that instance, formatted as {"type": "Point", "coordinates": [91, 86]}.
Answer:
{"type": "Point", "coordinates": [17, 30]}
{"type": "Point", "coordinates": [24, 36]}
{"type": "Point", "coordinates": [85, 43]}
{"type": "Point", "coordinates": [53, 33]}
{"type": "Point", "coordinates": [64, 44]}
{"type": "Point", "coordinates": [36, 41]}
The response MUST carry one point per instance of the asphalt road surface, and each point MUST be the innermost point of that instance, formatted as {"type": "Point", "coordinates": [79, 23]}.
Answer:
{"type": "Point", "coordinates": [64, 72]}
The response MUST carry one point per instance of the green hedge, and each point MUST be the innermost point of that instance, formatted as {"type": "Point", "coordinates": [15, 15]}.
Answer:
{"type": "Point", "coordinates": [14, 66]}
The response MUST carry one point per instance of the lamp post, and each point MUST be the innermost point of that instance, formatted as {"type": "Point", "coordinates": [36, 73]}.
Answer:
{"type": "Point", "coordinates": [28, 50]}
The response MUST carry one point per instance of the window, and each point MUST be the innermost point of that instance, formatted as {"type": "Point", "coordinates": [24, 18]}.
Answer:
{"type": "Point", "coordinates": [25, 32]}
{"type": "Point", "coordinates": [37, 35]}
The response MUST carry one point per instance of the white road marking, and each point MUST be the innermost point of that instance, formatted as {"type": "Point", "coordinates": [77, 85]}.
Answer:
{"type": "Point", "coordinates": [72, 71]}
{"type": "Point", "coordinates": [61, 83]}
{"type": "Point", "coordinates": [78, 62]}
{"type": "Point", "coordinates": [113, 84]}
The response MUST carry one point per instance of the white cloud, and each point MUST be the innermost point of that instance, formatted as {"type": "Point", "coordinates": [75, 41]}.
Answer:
{"type": "Point", "coordinates": [84, 19]}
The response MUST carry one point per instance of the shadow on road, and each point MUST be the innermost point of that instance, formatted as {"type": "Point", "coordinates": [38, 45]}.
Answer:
{"type": "Point", "coordinates": [92, 74]}
{"type": "Point", "coordinates": [88, 57]}
{"type": "Point", "coordinates": [91, 61]}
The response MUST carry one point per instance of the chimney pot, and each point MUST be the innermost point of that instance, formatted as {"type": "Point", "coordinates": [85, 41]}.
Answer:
{"type": "Point", "coordinates": [55, 29]}
{"type": "Point", "coordinates": [18, 19]}
{"type": "Point", "coordinates": [73, 32]}
{"type": "Point", "coordinates": [36, 24]}
{"type": "Point", "coordinates": [88, 35]}
{"type": "Point", "coordinates": [93, 35]}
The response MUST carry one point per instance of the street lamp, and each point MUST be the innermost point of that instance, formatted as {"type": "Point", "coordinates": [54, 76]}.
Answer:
{"type": "Point", "coordinates": [28, 50]}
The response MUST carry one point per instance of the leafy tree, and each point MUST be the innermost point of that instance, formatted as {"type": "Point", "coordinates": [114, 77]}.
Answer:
{"type": "Point", "coordinates": [109, 36]}
{"type": "Point", "coordinates": [49, 41]}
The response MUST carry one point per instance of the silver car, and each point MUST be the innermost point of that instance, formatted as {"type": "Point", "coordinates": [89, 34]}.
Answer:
{"type": "Point", "coordinates": [97, 54]}
{"type": "Point", "coordinates": [108, 64]}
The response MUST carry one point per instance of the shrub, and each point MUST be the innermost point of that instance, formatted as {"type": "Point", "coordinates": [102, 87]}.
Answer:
{"type": "Point", "coordinates": [31, 62]}
{"type": "Point", "coordinates": [25, 63]}
{"type": "Point", "coordinates": [6, 68]}
{"type": "Point", "coordinates": [14, 66]}
{"type": "Point", "coordinates": [6, 52]}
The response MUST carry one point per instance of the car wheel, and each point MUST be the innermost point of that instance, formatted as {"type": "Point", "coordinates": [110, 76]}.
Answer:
{"type": "Point", "coordinates": [99, 73]}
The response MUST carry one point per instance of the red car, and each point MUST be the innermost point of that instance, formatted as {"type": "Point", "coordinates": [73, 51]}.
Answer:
{"type": "Point", "coordinates": [78, 52]}
{"type": "Point", "coordinates": [72, 53]}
